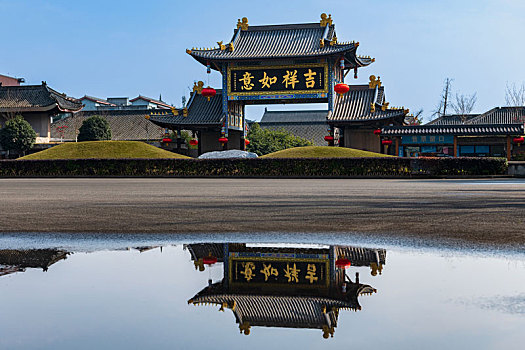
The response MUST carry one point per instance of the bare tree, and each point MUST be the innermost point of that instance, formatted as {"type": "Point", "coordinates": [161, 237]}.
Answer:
{"type": "Point", "coordinates": [441, 108]}
{"type": "Point", "coordinates": [515, 95]}
{"type": "Point", "coordinates": [463, 105]}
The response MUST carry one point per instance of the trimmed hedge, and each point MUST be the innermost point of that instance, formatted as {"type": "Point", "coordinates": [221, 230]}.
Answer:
{"type": "Point", "coordinates": [263, 167]}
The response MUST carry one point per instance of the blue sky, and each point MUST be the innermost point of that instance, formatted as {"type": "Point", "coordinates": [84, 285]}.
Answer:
{"type": "Point", "coordinates": [126, 48]}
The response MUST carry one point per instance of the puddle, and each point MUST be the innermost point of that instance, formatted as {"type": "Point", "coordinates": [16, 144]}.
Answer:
{"type": "Point", "coordinates": [192, 295]}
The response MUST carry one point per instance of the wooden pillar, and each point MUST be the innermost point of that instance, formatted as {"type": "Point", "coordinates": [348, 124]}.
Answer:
{"type": "Point", "coordinates": [508, 147]}
{"type": "Point", "coordinates": [455, 146]}
{"type": "Point", "coordinates": [179, 139]}
{"type": "Point", "coordinates": [397, 146]}
{"type": "Point", "coordinates": [199, 145]}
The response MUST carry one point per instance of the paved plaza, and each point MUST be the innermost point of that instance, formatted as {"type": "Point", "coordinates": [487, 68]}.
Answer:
{"type": "Point", "coordinates": [481, 211]}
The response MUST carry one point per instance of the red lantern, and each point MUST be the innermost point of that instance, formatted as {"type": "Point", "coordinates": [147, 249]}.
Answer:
{"type": "Point", "coordinates": [341, 89]}
{"type": "Point", "coordinates": [329, 138]}
{"type": "Point", "coordinates": [208, 92]}
{"type": "Point", "coordinates": [194, 142]}
{"type": "Point", "coordinates": [246, 142]}
{"type": "Point", "coordinates": [377, 132]}
{"type": "Point", "coordinates": [343, 263]}
{"type": "Point", "coordinates": [518, 140]}
{"type": "Point", "coordinates": [223, 140]}
{"type": "Point", "coordinates": [209, 260]}
{"type": "Point", "coordinates": [386, 142]}
{"type": "Point", "coordinates": [166, 139]}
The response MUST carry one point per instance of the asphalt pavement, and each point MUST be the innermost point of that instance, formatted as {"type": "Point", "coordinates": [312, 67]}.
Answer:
{"type": "Point", "coordinates": [480, 211]}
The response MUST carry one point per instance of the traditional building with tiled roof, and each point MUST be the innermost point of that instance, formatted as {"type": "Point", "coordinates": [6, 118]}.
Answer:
{"type": "Point", "coordinates": [284, 287]}
{"type": "Point", "coordinates": [265, 64]}
{"type": "Point", "coordinates": [37, 104]}
{"type": "Point", "coordinates": [495, 133]}
{"type": "Point", "coordinates": [310, 125]}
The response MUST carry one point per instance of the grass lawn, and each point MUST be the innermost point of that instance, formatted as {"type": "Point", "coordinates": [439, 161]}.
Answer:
{"type": "Point", "coordinates": [103, 149]}
{"type": "Point", "coordinates": [322, 152]}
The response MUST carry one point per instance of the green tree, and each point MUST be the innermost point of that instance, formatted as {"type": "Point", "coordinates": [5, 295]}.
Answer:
{"type": "Point", "coordinates": [17, 135]}
{"type": "Point", "coordinates": [95, 128]}
{"type": "Point", "coordinates": [264, 141]}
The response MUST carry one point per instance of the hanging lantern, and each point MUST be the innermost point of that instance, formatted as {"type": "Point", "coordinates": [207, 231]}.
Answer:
{"type": "Point", "coordinates": [246, 142]}
{"type": "Point", "coordinates": [386, 142]}
{"type": "Point", "coordinates": [166, 140]}
{"type": "Point", "coordinates": [343, 263]}
{"type": "Point", "coordinates": [341, 89]}
{"type": "Point", "coordinates": [329, 138]}
{"type": "Point", "coordinates": [518, 140]}
{"type": "Point", "coordinates": [208, 92]}
{"type": "Point", "coordinates": [377, 132]}
{"type": "Point", "coordinates": [223, 140]}
{"type": "Point", "coordinates": [194, 142]}
{"type": "Point", "coordinates": [209, 260]}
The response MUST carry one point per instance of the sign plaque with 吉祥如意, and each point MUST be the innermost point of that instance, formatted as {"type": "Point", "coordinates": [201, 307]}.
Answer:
{"type": "Point", "coordinates": [278, 80]}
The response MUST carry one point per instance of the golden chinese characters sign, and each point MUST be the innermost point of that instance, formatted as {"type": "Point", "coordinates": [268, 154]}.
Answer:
{"type": "Point", "coordinates": [275, 80]}
{"type": "Point", "coordinates": [271, 270]}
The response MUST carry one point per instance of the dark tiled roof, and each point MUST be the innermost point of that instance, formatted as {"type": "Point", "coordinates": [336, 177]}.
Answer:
{"type": "Point", "coordinates": [125, 125]}
{"type": "Point", "coordinates": [201, 250]}
{"type": "Point", "coordinates": [454, 119]}
{"type": "Point", "coordinates": [35, 98]}
{"type": "Point", "coordinates": [361, 256]}
{"type": "Point", "coordinates": [35, 258]}
{"type": "Point", "coordinates": [460, 130]}
{"type": "Point", "coordinates": [312, 131]}
{"type": "Point", "coordinates": [356, 106]}
{"type": "Point", "coordinates": [282, 310]}
{"type": "Point", "coordinates": [501, 115]}
{"type": "Point", "coordinates": [293, 116]}
{"type": "Point", "coordinates": [200, 112]}
{"type": "Point", "coordinates": [282, 41]}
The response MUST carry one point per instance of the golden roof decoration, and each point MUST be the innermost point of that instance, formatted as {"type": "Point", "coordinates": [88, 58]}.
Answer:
{"type": "Point", "coordinates": [326, 20]}
{"type": "Point", "coordinates": [221, 45]}
{"type": "Point", "coordinates": [198, 86]}
{"type": "Point", "coordinates": [242, 24]}
{"type": "Point", "coordinates": [321, 43]}
{"type": "Point", "coordinates": [372, 107]}
{"type": "Point", "coordinates": [333, 41]}
{"type": "Point", "coordinates": [374, 82]}
{"type": "Point", "coordinates": [230, 47]}
{"type": "Point", "coordinates": [384, 107]}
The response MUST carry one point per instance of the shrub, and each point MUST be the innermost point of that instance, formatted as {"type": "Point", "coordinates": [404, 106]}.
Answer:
{"type": "Point", "coordinates": [265, 141]}
{"type": "Point", "coordinates": [95, 128]}
{"type": "Point", "coordinates": [17, 135]}
{"type": "Point", "coordinates": [258, 167]}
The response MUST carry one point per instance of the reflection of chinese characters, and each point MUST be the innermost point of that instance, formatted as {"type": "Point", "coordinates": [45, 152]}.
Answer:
{"type": "Point", "coordinates": [310, 80]}
{"type": "Point", "coordinates": [290, 78]}
{"type": "Point", "coordinates": [310, 274]}
{"type": "Point", "coordinates": [292, 273]}
{"type": "Point", "coordinates": [267, 81]}
{"type": "Point", "coordinates": [268, 270]}
{"type": "Point", "coordinates": [247, 81]}
{"type": "Point", "coordinates": [248, 271]}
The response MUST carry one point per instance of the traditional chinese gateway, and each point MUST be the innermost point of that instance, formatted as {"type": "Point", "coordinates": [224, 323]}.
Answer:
{"type": "Point", "coordinates": [285, 287]}
{"type": "Point", "coordinates": [293, 63]}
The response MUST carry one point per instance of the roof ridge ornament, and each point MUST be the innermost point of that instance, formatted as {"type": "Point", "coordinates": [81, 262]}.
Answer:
{"type": "Point", "coordinates": [326, 20]}
{"type": "Point", "coordinates": [198, 86]}
{"type": "Point", "coordinates": [374, 82]}
{"type": "Point", "coordinates": [242, 24]}
{"type": "Point", "coordinates": [222, 47]}
{"type": "Point", "coordinates": [333, 41]}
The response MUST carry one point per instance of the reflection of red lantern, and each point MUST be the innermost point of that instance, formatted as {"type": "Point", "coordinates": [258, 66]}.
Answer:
{"type": "Point", "coordinates": [377, 132]}
{"type": "Point", "coordinates": [209, 260]}
{"type": "Point", "coordinates": [343, 263]}
{"type": "Point", "coordinates": [518, 140]}
{"type": "Point", "coordinates": [166, 140]}
{"type": "Point", "coordinates": [223, 140]}
{"type": "Point", "coordinates": [246, 142]}
{"type": "Point", "coordinates": [329, 138]}
{"type": "Point", "coordinates": [341, 89]}
{"type": "Point", "coordinates": [208, 92]}
{"type": "Point", "coordinates": [194, 142]}
{"type": "Point", "coordinates": [386, 142]}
